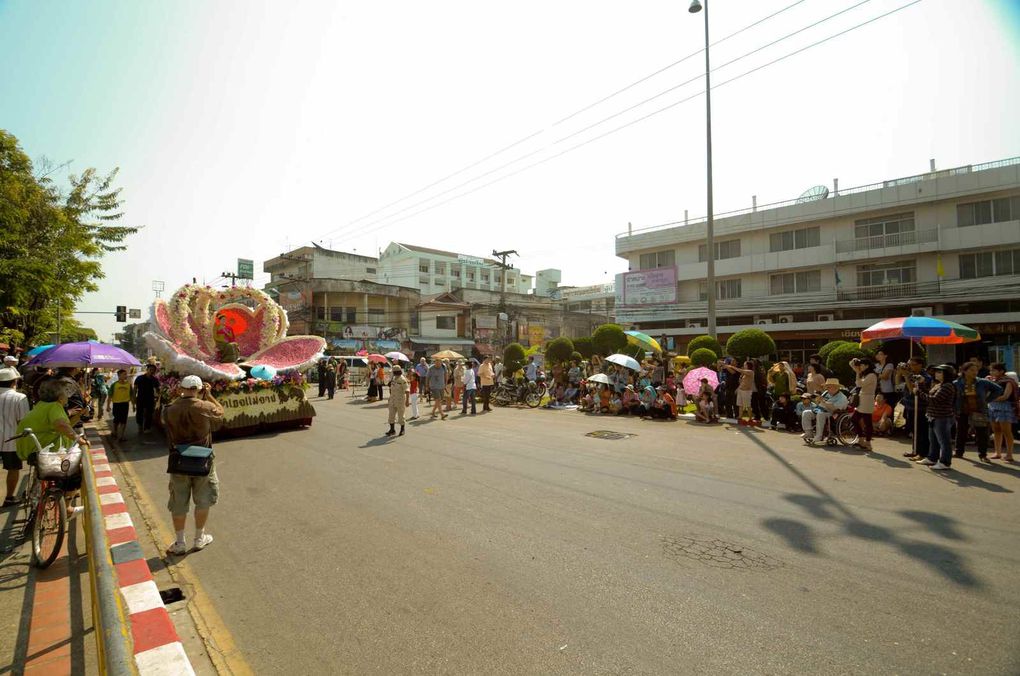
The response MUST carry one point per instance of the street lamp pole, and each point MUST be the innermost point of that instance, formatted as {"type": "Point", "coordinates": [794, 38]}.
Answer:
{"type": "Point", "coordinates": [696, 7]}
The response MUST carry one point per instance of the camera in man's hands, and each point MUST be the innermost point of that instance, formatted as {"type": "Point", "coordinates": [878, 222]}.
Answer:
{"type": "Point", "coordinates": [855, 362]}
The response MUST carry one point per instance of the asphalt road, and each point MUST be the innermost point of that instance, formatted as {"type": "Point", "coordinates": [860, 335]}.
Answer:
{"type": "Point", "coordinates": [510, 542]}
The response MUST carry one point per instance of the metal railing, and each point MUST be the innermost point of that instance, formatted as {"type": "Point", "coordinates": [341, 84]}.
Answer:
{"type": "Point", "coordinates": [883, 241]}
{"type": "Point", "coordinates": [842, 192]}
{"type": "Point", "coordinates": [113, 630]}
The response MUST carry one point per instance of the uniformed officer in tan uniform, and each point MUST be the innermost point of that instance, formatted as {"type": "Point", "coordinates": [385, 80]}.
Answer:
{"type": "Point", "coordinates": [400, 398]}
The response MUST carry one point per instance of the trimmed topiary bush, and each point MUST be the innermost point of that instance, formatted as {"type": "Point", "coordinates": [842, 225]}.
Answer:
{"type": "Point", "coordinates": [576, 356]}
{"type": "Point", "coordinates": [558, 350]}
{"type": "Point", "coordinates": [707, 342]}
{"type": "Point", "coordinates": [839, 362]}
{"type": "Point", "coordinates": [825, 350]}
{"type": "Point", "coordinates": [750, 343]}
{"type": "Point", "coordinates": [608, 339]}
{"type": "Point", "coordinates": [703, 356]}
{"type": "Point", "coordinates": [585, 346]}
{"type": "Point", "coordinates": [513, 358]}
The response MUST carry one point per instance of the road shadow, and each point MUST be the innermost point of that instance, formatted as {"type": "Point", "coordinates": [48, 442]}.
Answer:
{"type": "Point", "coordinates": [821, 505]}
{"type": "Point", "coordinates": [968, 481]}
{"type": "Point", "coordinates": [379, 441]}
{"type": "Point", "coordinates": [939, 524]}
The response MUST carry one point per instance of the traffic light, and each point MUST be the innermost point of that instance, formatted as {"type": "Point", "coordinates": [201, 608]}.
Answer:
{"type": "Point", "coordinates": [121, 313]}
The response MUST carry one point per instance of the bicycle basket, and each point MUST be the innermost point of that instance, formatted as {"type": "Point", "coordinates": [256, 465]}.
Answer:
{"type": "Point", "coordinates": [51, 465]}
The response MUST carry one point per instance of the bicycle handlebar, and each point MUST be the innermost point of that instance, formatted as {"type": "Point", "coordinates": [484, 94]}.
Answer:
{"type": "Point", "coordinates": [28, 431]}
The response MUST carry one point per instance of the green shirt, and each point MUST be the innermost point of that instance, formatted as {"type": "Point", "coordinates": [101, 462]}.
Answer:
{"type": "Point", "coordinates": [781, 383]}
{"type": "Point", "coordinates": [42, 420]}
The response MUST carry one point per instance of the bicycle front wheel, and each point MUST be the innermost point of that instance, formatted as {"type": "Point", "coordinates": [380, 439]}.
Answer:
{"type": "Point", "coordinates": [48, 531]}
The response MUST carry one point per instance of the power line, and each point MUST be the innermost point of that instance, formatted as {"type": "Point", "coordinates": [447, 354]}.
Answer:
{"type": "Point", "coordinates": [387, 222]}
{"type": "Point", "coordinates": [562, 120]}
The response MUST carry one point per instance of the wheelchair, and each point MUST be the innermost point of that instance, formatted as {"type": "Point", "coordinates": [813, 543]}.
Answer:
{"type": "Point", "coordinates": [840, 429]}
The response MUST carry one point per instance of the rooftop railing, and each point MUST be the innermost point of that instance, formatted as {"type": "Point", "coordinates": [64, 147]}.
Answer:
{"type": "Point", "coordinates": [842, 192]}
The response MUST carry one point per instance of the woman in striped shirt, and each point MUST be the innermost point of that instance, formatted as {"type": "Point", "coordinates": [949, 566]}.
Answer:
{"type": "Point", "coordinates": [941, 413]}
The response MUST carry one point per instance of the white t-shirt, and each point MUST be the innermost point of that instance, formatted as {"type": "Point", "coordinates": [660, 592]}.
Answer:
{"type": "Point", "coordinates": [887, 386]}
{"type": "Point", "coordinates": [13, 407]}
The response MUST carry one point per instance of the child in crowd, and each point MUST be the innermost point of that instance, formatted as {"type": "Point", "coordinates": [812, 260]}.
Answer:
{"type": "Point", "coordinates": [707, 411]}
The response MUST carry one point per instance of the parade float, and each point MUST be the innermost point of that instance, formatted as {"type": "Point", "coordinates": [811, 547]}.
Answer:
{"type": "Point", "coordinates": [236, 340]}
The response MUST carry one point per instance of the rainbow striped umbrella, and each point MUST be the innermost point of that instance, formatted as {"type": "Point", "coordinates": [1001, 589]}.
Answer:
{"type": "Point", "coordinates": [644, 341]}
{"type": "Point", "coordinates": [924, 330]}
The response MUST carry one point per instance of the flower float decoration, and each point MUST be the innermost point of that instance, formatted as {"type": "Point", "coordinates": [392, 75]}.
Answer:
{"type": "Point", "coordinates": [210, 333]}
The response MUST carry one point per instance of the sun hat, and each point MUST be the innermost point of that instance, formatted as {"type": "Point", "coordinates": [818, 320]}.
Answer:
{"type": "Point", "coordinates": [833, 381]}
{"type": "Point", "coordinates": [8, 374]}
{"type": "Point", "coordinates": [191, 383]}
{"type": "Point", "coordinates": [10, 360]}
{"type": "Point", "coordinates": [805, 395]}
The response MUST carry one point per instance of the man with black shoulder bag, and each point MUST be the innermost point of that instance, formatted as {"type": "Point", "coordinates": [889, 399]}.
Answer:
{"type": "Point", "coordinates": [189, 422]}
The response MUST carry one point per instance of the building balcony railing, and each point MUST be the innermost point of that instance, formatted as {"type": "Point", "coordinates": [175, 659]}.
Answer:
{"type": "Point", "coordinates": [912, 237]}
{"type": "Point", "coordinates": [888, 291]}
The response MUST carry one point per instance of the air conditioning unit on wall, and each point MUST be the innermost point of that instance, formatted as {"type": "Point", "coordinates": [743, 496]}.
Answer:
{"type": "Point", "coordinates": [921, 312]}
{"type": "Point", "coordinates": [694, 325]}
{"type": "Point", "coordinates": [785, 319]}
{"type": "Point", "coordinates": [762, 321]}
{"type": "Point", "coordinates": [826, 317]}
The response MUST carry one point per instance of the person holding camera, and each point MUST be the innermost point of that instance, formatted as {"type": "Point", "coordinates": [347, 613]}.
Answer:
{"type": "Point", "coordinates": [973, 393]}
{"type": "Point", "coordinates": [867, 383]}
{"type": "Point", "coordinates": [823, 407]}
{"type": "Point", "coordinates": [916, 383]}
{"type": "Point", "coordinates": [941, 413]}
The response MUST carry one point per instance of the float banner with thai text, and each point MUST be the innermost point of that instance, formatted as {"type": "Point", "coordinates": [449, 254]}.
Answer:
{"type": "Point", "coordinates": [646, 287]}
{"type": "Point", "coordinates": [263, 407]}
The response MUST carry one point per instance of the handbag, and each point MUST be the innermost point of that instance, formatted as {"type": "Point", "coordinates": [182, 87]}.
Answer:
{"type": "Point", "coordinates": [978, 419]}
{"type": "Point", "coordinates": [190, 460]}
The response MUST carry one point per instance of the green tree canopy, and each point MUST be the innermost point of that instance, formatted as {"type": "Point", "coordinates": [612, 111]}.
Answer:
{"type": "Point", "coordinates": [559, 350]}
{"type": "Point", "coordinates": [704, 342]}
{"type": "Point", "coordinates": [585, 346]}
{"type": "Point", "coordinates": [513, 358]}
{"type": "Point", "coordinates": [750, 343]}
{"type": "Point", "coordinates": [608, 339]}
{"type": "Point", "coordinates": [703, 357]}
{"type": "Point", "coordinates": [51, 242]}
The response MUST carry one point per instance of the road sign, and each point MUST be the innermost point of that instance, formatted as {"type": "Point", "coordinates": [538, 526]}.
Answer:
{"type": "Point", "coordinates": [245, 268]}
{"type": "Point", "coordinates": [134, 313]}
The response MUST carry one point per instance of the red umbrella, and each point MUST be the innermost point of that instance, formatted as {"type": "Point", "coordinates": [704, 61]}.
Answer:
{"type": "Point", "coordinates": [378, 358]}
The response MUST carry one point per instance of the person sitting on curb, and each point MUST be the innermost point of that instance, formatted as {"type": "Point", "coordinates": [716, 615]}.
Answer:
{"type": "Point", "coordinates": [190, 420]}
{"type": "Point", "coordinates": [822, 408]}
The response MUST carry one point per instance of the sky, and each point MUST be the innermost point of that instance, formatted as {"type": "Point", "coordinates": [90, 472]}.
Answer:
{"type": "Point", "coordinates": [244, 128]}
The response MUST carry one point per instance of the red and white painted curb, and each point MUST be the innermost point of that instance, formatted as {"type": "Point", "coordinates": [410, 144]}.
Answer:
{"type": "Point", "coordinates": [157, 647]}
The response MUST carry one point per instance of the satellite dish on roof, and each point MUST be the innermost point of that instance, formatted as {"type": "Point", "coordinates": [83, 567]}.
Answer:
{"type": "Point", "coordinates": [819, 192]}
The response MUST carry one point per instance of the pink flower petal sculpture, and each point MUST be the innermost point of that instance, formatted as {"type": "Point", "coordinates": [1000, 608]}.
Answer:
{"type": "Point", "coordinates": [212, 333]}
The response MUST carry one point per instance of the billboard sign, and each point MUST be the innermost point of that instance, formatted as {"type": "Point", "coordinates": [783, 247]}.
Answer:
{"type": "Point", "coordinates": [245, 268]}
{"type": "Point", "coordinates": [647, 287]}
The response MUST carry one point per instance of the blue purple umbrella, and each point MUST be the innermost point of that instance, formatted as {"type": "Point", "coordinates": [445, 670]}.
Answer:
{"type": "Point", "coordinates": [85, 355]}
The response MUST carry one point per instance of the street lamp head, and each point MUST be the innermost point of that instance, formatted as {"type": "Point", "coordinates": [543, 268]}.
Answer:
{"type": "Point", "coordinates": [695, 7]}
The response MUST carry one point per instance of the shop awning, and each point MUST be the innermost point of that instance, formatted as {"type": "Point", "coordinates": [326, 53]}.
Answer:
{"type": "Point", "coordinates": [428, 340]}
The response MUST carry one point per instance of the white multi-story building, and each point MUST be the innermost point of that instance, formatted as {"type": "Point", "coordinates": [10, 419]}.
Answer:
{"type": "Point", "coordinates": [434, 271]}
{"type": "Point", "coordinates": [827, 265]}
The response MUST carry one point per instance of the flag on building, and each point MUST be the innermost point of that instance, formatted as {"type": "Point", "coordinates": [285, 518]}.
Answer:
{"type": "Point", "coordinates": [835, 271]}
{"type": "Point", "coordinates": [939, 270]}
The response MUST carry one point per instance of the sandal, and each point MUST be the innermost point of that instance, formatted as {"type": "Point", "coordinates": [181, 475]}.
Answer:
{"type": "Point", "coordinates": [995, 456]}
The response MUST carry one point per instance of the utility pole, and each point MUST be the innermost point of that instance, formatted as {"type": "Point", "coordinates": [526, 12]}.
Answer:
{"type": "Point", "coordinates": [502, 256]}
{"type": "Point", "coordinates": [232, 277]}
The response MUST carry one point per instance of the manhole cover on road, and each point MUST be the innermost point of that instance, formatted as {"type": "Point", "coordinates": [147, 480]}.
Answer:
{"type": "Point", "coordinates": [607, 434]}
{"type": "Point", "coordinates": [717, 553]}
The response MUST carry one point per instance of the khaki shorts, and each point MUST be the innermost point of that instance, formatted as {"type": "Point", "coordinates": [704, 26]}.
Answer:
{"type": "Point", "coordinates": [744, 398]}
{"type": "Point", "coordinates": [204, 490]}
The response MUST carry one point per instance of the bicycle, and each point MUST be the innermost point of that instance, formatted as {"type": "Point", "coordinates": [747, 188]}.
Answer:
{"type": "Point", "coordinates": [44, 501]}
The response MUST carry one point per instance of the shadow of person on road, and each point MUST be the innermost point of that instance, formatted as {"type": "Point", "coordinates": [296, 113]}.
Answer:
{"type": "Point", "coordinates": [968, 481]}
{"type": "Point", "coordinates": [824, 506]}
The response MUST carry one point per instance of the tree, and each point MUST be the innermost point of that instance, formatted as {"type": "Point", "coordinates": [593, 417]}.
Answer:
{"type": "Point", "coordinates": [839, 361]}
{"type": "Point", "coordinates": [71, 331]}
{"type": "Point", "coordinates": [825, 350]}
{"type": "Point", "coordinates": [704, 342]}
{"type": "Point", "coordinates": [704, 357]}
{"type": "Point", "coordinates": [750, 343]}
{"type": "Point", "coordinates": [585, 346]}
{"type": "Point", "coordinates": [608, 339]}
{"type": "Point", "coordinates": [576, 356]}
{"type": "Point", "coordinates": [558, 350]}
{"type": "Point", "coordinates": [51, 242]}
{"type": "Point", "coordinates": [513, 358]}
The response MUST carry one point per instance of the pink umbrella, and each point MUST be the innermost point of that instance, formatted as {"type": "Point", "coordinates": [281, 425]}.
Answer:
{"type": "Point", "coordinates": [378, 358]}
{"type": "Point", "coordinates": [692, 381]}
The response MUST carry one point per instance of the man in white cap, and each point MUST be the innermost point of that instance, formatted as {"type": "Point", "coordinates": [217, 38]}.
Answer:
{"type": "Point", "coordinates": [190, 420]}
{"type": "Point", "coordinates": [10, 361]}
{"type": "Point", "coordinates": [13, 407]}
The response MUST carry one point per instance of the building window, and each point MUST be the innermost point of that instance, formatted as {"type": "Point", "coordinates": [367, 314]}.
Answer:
{"type": "Point", "coordinates": [990, 264]}
{"type": "Point", "coordinates": [728, 249]}
{"type": "Point", "coordinates": [370, 271]}
{"type": "Point", "coordinates": [336, 314]}
{"type": "Point", "coordinates": [440, 268]}
{"type": "Point", "coordinates": [511, 281]}
{"type": "Point", "coordinates": [423, 265]}
{"type": "Point", "coordinates": [447, 323]}
{"type": "Point", "coordinates": [988, 211]}
{"type": "Point", "coordinates": [470, 275]}
{"type": "Point", "coordinates": [884, 225]}
{"type": "Point", "coordinates": [351, 315]}
{"type": "Point", "coordinates": [376, 316]}
{"type": "Point", "coordinates": [883, 274]}
{"type": "Point", "coordinates": [659, 259]}
{"type": "Point", "coordinates": [485, 276]}
{"type": "Point", "coordinates": [455, 271]}
{"type": "Point", "coordinates": [795, 239]}
{"type": "Point", "coordinates": [796, 282]}
{"type": "Point", "coordinates": [320, 313]}
{"type": "Point", "coordinates": [726, 289]}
